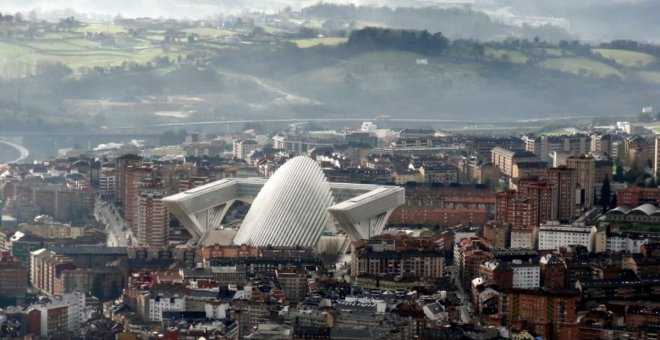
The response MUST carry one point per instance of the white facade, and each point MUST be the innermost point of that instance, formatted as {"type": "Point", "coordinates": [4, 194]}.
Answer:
{"type": "Point", "coordinates": [160, 304]}
{"type": "Point", "coordinates": [526, 275]}
{"type": "Point", "coordinates": [77, 313]}
{"type": "Point", "coordinates": [553, 236]}
{"type": "Point", "coordinates": [292, 208]}
{"type": "Point", "coordinates": [523, 239]}
{"type": "Point", "coordinates": [216, 311]}
{"type": "Point", "coordinates": [243, 147]}
{"type": "Point", "coordinates": [619, 243]}
{"type": "Point", "coordinates": [107, 185]}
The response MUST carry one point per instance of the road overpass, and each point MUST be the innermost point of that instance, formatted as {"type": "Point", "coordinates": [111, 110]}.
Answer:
{"type": "Point", "coordinates": [24, 153]}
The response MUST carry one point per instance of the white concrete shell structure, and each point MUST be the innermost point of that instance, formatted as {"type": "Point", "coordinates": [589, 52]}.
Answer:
{"type": "Point", "coordinates": [293, 208]}
{"type": "Point", "coordinates": [290, 209]}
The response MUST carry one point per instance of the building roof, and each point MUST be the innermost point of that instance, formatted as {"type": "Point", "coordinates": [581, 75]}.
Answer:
{"type": "Point", "coordinates": [294, 207]}
{"type": "Point", "coordinates": [644, 209]}
{"type": "Point", "coordinates": [514, 153]}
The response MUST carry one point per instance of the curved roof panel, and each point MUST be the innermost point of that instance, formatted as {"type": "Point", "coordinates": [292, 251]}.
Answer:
{"type": "Point", "coordinates": [291, 208]}
{"type": "Point", "coordinates": [646, 209]}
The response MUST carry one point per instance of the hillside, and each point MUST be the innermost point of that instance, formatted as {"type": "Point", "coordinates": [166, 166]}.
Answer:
{"type": "Point", "coordinates": [199, 74]}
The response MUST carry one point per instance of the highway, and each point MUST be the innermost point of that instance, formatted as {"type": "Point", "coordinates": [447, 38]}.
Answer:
{"type": "Point", "coordinates": [25, 153]}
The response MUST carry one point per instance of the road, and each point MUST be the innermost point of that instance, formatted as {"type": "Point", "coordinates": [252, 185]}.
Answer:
{"type": "Point", "coordinates": [107, 214]}
{"type": "Point", "coordinates": [466, 308]}
{"type": "Point", "coordinates": [25, 153]}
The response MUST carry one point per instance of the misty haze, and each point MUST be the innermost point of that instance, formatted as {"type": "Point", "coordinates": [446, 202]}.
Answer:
{"type": "Point", "coordinates": [294, 169]}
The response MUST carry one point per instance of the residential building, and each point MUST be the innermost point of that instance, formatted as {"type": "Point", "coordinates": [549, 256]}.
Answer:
{"type": "Point", "coordinates": [409, 263]}
{"type": "Point", "coordinates": [506, 159]}
{"type": "Point", "coordinates": [601, 144]}
{"type": "Point", "coordinates": [13, 276]}
{"type": "Point", "coordinates": [552, 315]}
{"type": "Point", "coordinates": [121, 164]}
{"type": "Point", "coordinates": [634, 196]}
{"type": "Point", "coordinates": [564, 182]}
{"type": "Point", "coordinates": [50, 320]}
{"type": "Point", "coordinates": [526, 275]}
{"type": "Point", "coordinates": [552, 236]}
{"type": "Point", "coordinates": [153, 220]}
{"type": "Point", "coordinates": [439, 173]}
{"type": "Point", "coordinates": [553, 272]}
{"type": "Point", "coordinates": [523, 237]}
{"type": "Point", "coordinates": [243, 147]}
{"type": "Point", "coordinates": [585, 167]}
{"type": "Point", "coordinates": [293, 282]}
{"type": "Point", "coordinates": [497, 233]}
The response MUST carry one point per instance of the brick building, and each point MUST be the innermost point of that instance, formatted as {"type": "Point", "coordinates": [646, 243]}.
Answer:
{"type": "Point", "coordinates": [13, 276]}
{"type": "Point", "coordinates": [552, 315]}
{"type": "Point", "coordinates": [449, 206]}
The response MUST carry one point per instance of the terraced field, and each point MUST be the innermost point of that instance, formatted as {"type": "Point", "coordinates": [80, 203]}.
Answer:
{"type": "Point", "coordinates": [306, 43]}
{"type": "Point", "coordinates": [581, 66]}
{"type": "Point", "coordinates": [626, 58]}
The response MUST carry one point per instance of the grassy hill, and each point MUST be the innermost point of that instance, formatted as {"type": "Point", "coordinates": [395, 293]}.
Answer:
{"type": "Point", "coordinates": [234, 74]}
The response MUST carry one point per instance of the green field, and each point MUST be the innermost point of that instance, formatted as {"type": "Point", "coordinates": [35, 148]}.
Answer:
{"type": "Point", "coordinates": [506, 55]}
{"type": "Point", "coordinates": [19, 59]}
{"type": "Point", "coordinates": [206, 32]}
{"type": "Point", "coordinates": [581, 66]}
{"type": "Point", "coordinates": [274, 30]}
{"type": "Point", "coordinates": [626, 58]}
{"type": "Point", "coordinates": [306, 43]}
{"type": "Point", "coordinates": [650, 76]}
{"type": "Point", "coordinates": [96, 27]}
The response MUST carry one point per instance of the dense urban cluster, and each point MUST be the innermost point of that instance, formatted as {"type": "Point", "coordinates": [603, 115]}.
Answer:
{"type": "Point", "coordinates": [309, 234]}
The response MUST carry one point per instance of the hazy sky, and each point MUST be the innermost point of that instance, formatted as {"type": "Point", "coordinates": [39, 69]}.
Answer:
{"type": "Point", "coordinates": [205, 8]}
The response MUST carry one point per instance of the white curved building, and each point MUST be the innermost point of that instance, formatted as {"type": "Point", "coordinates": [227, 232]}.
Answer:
{"type": "Point", "coordinates": [293, 208]}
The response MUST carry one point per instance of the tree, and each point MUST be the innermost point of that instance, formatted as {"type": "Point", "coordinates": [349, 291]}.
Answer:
{"type": "Point", "coordinates": [605, 194]}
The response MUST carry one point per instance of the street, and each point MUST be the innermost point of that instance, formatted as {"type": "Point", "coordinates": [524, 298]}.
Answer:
{"type": "Point", "coordinates": [466, 305]}
{"type": "Point", "coordinates": [107, 214]}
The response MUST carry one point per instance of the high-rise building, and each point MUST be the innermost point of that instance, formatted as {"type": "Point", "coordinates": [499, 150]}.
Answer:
{"type": "Point", "coordinates": [121, 164]}
{"type": "Point", "coordinates": [153, 220]}
{"type": "Point", "coordinates": [135, 179]}
{"type": "Point", "coordinates": [585, 167]}
{"type": "Point", "coordinates": [656, 158]}
{"type": "Point", "coordinates": [638, 150]}
{"type": "Point", "coordinates": [564, 180]}
{"type": "Point", "coordinates": [515, 208]}
{"type": "Point", "coordinates": [541, 193]}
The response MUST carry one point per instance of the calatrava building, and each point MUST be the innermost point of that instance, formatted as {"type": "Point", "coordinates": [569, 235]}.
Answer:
{"type": "Point", "coordinates": [297, 206]}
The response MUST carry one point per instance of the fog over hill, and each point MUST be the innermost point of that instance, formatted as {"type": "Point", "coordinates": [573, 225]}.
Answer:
{"type": "Point", "coordinates": [590, 19]}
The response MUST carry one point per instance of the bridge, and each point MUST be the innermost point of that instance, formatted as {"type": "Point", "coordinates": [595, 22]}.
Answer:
{"type": "Point", "coordinates": [24, 153]}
